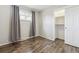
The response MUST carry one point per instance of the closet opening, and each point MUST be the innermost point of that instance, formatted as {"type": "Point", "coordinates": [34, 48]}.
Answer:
{"type": "Point", "coordinates": [59, 24]}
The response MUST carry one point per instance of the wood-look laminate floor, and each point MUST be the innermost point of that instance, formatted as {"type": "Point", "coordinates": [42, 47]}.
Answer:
{"type": "Point", "coordinates": [70, 49]}
{"type": "Point", "coordinates": [38, 45]}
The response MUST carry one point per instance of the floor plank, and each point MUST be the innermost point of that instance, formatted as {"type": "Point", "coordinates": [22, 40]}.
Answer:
{"type": "Point", "coordinates": [39, 45]}
{"type": "Point", "coordinates": [70, 49]}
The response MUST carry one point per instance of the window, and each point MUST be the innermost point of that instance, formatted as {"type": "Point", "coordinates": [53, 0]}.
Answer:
{"type": "Point", "coordinates": [22, 17]}
{"type": "Point", "coordinates": [25, 15]}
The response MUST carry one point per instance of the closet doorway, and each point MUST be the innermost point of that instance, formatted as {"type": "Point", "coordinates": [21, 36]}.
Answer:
{"type": "Point", "coordinates": [59, 25]}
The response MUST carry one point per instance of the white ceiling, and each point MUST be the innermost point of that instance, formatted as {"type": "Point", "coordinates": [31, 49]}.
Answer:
{"type": "Point", "coordinates": [43, 7]}
{"type": "Point", "coordinates": [39, 7]}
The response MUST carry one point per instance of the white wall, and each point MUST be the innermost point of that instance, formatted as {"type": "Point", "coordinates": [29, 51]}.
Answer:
{"type": "Point", "coordinates": [72, 26]}
{"type": "Point", "coordinates": [4, 24]}
{"type": "Point", "coordinates": [37, 22]}
{"type": "Point", "coordinates": [47, 25]}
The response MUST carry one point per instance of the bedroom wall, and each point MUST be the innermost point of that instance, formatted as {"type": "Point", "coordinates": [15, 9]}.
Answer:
{"type": "Point", "coordinates": [4, 24]}
{"type": "Point", "coordinates": [47, 24]}
{"type": "Point", "coordinates": [37, 23]}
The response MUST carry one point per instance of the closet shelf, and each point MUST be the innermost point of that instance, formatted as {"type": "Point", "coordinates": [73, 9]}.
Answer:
{"type": "Point", "coordinates": [59, 24]}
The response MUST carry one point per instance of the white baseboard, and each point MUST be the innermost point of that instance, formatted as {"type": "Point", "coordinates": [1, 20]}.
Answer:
{"type": "Point", "coordinates": [47, 38]}
{"type": "Point", "coordinates": [18, 40]}
{"type": "Point", "coordinates": [25, 39]}
{"type": "Point", "coordinates": [69, 43]}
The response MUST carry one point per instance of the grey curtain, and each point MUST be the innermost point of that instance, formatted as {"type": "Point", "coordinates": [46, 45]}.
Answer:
{"type": "Point", "coordinates": [15, 24]}
{"type": "Point", "coordinates": [32, 29]}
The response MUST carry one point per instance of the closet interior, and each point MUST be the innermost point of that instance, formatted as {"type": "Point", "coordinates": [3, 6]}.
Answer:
{"type": "Point", "coordinates": [59, 25]}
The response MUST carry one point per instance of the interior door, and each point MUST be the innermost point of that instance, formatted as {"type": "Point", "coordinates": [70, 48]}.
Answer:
{"type": "Point", "coordinates": [72, 26]}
